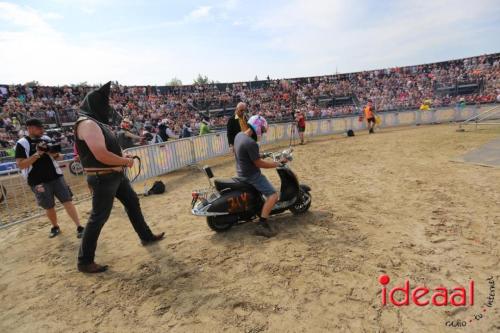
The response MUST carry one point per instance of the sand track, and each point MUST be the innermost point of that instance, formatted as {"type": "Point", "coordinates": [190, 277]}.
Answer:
{"type": "Point", "coordinates": [387, 203]}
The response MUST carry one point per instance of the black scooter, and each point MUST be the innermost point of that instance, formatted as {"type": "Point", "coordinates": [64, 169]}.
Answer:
{"type": "Point", "coordinates": [229, 201]}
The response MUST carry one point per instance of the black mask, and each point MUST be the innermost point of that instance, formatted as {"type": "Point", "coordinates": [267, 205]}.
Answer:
{"type": "Point", "coordinates": [96, 105]}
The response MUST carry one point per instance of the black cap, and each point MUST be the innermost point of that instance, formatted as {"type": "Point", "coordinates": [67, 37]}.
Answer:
{"type": "Point", "coordinates": [34, 122]}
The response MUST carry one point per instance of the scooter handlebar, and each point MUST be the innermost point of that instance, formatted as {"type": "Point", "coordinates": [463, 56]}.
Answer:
{"type": "Point", "coordinates": [279, 156]}
{"type": "Point", "coordinates": [266, 155]}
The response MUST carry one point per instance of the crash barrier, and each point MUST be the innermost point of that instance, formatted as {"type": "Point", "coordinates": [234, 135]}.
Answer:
{"type": "Point", "coordinates": [18, 203]}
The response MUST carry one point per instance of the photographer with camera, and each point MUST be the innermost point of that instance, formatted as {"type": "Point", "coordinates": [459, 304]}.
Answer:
{"type": "Point", "coordinates": [36, 155]}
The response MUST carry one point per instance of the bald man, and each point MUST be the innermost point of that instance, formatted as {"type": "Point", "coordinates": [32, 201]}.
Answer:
{"type": "Point", "coordinates": [237, 124]}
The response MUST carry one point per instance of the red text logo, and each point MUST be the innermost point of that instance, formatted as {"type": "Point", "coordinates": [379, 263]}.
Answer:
{"type": "Point", "coordinates": [423, 296]}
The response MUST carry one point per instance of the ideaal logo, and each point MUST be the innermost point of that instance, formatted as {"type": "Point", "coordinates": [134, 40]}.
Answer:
{"type": "Point", "coordinates": [439, 296]}
{"type": "Point", "coordinates": [423, 296]}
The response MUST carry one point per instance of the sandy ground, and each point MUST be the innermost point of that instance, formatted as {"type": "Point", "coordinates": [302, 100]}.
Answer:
{"type": "Point", "coordinates": [387, 203]}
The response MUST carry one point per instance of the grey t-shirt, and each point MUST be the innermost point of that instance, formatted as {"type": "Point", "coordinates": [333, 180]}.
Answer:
{"type": "Point", "coordinates": [247, 151]}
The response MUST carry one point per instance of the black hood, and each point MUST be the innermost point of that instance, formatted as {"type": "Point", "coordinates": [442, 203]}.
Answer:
{"type": "Point", "coordinates": [96, 105]}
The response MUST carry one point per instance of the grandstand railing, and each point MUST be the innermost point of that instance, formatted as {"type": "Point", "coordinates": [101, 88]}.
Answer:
{"type": "Point", "coordinates": [18, 204]}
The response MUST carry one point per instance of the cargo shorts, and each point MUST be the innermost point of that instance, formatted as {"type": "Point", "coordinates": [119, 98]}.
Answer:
{"type": "Point", "coordinates": [46, 193]}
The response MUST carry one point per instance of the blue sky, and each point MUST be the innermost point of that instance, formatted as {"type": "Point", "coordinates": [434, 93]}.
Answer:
{"type": "Point", "coordinates": [149, 42]}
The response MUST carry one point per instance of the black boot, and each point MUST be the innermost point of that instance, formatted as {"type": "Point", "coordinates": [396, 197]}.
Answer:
{"type": "Point", "coordinates": [92, 268]}
{"type": "Point", "coordinates": [155, 239]}
{"type": "Point", "coordinates": [264, 229]}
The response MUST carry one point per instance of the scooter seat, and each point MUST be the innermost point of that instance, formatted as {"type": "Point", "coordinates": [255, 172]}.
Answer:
{"type": "Point", "coordinates": [233, 184]}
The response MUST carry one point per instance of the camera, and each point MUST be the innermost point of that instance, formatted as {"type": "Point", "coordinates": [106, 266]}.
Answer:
{"type": "Point", "coordinates": [47, 146]}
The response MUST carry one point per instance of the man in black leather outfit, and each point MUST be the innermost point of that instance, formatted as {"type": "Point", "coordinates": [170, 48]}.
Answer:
{"type": "Point", "coordinates": [102, 159]}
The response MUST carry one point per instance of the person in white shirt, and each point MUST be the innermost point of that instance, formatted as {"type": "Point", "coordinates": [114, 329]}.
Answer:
{"type": "Point", "coordinates": [22, 132]}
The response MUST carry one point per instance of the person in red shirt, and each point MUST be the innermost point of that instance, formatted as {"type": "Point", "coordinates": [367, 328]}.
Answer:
{"type": "Point", "coordinates": [301, 125]}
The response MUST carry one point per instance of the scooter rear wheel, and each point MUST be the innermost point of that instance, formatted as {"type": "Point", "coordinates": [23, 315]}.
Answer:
{"type": "Point", "coordinates": [302, 204]}
{"type": "Point", "coordinates": [221, 223]}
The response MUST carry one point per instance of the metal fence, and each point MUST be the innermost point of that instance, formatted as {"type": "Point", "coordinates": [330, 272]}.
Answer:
{"type": "Point", "coordinates": [18, 203]}
{"type": "Point", "coordinates": [169, 156]}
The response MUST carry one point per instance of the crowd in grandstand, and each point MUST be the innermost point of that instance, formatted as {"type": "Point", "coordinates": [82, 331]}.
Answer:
{"type": "Point", "coordinates": [178, 107]}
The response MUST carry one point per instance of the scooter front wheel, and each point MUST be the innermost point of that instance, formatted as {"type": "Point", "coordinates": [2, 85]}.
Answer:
{"type": "Point", "coordinates": [302, 204]}
{"type": "Point", "coordinates": [221, 223]}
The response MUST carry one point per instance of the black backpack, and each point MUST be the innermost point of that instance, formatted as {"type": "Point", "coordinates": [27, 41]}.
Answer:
{"type": "Point", "coordinates": [157, 188]}
{"type": "Point", "coordinates": [350, 132]}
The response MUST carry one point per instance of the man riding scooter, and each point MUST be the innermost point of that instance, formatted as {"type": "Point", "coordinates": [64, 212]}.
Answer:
{"type": "Point", "coordinates": [248, 165]}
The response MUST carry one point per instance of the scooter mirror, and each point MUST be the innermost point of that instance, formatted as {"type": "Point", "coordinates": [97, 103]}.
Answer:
{"type": "Point", "coordinates": [208, 172]}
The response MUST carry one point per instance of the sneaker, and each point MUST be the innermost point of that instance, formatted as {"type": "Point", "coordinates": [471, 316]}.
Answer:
{"type": "Point", "coordinates": [264, 229]}
{"type": "Point", "coordinates": [54, 231]}
{"type": "Point", "coordinates": [79, 232]}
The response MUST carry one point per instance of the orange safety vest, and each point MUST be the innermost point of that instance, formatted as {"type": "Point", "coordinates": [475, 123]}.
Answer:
{"type": "Point", "coordinates": [368, 112]}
